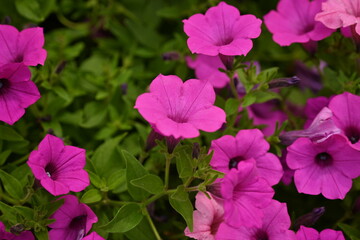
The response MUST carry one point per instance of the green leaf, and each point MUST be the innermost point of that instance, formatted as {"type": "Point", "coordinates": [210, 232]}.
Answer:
{"type": "Point", "coordinates": [3, 156]}
{"type": "Point", "coordinates": [180, 194]}
{"type": "Point", "coordinates": [142, 231]}
{"type": "Point", "coordinates": [267, 75]}
{"type": "Point", "coordinates": [8, 212]}
{"type": "Point", "coordinates": [352, 232]}
{"type": "Point", "coordinates": [185, 208]}
{"type": "Point", "coordinates": [150, 183]}
{"type": "Point", "coordinates": [11, 185]}
{"type": "Point", "coordinates": [42, 235]}
{"type": "Point", "coordinates": [184, 164]}
{"type": "Point", "coordinates": [134, 170]}
{"type": "Point", "coordinates": [9, 134]}
{"type": "Point", "coordinates": [91, 196]}
{"type": "Point", "coordinates": [35, 10]}
{"type": "Point", "coordinates": [232, 106]}
{"type": "Point", "coordinates": [117, 179]}
{"type": "Point", "coordinates": [128, 217]}
{"type": "Point", "coordinates": [27, 213]}
{"type": "Point", "coordinates": [94, 114]}
{"type": "Point", "coordinates": [265, 96]}
{"type": "Point", "coordinates": [96, 180]}
{"type": "Point", "coordinates": [248, 100]}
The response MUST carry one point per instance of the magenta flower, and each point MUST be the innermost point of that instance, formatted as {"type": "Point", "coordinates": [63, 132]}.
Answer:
{"type": "Point", "coordinates": [207, 69]}
{"type": "Point", "coordinates": [245, 195]}
{"type": "Point", "coordinates": [221, 31]}
{"type": "Point", "coordinates": [305, 233]}
{"type": "Point", "coordinates": [26, 235]}
{"type": "Point", "coordinates": [180, 109]}
{"type": "Point", "coordinates": [340, 13]}
{"type": "Point", "coordinates": [209, 214]}
{"type": "Point", "coordinates": [248, 144]}
{"type": "Point", "coordinates": [275, 225]}
{"type": "Point", "coordinates": [73, 220]}
{"type": "Point", "coordinates": [22, 47]}
{"type": "Point", "coordinates": [293, 22]}
{"type": "Point", "coordinates": [17, 92]}
{"type": "Point", "coordinates": [59, 168]}
{"type": "Point", "coordinates": [346, 116]}
{"type": "Point", "coordinates": [326, 167]}
{"type": "Point", "coordinates": [93, 236]}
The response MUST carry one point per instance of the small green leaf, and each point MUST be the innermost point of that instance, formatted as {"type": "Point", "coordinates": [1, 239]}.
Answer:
{"type": "Point", "coordinates": [185, 208]}
{"type": "Point", "coordinates": [35, 10]}
{"type": "Point", "coordinates": [232, 106]}
{"type": "Point", "coordinates": [9, 134]}
{"type": "Point", "coordinates": [184, 164]}
{"type": "Point", "coordinates": [265, 96]}
{"type": "Point", "coordinates": [8, 212]}
{"type": "Point", "coordinates": [248, 100]}
{"type": "Point", "coordinates": [180, 194]}
{"type": "Point", "coordinates": [134, 170]}
{"type": "Point", "coordinates": [128, 217]}
{"type": "Point", "coordinates": [352, 232]}
{"type": "Point", "coordinates": [116, 179]}
{"type": "Point", "coordinates": [94, 114]}
{"type": "Point", "coordinates": [91, 196]}
{"type": "Point", "coordinates": [142, 231]}
{"type": "Point", "coordinates": [150, 183]}
{"type": "Point", "coordinates": [42, 235]}
{"type": "Point", "coordinates": [96, 180]}
{"type": "Point", "coordinates": [26, 212]}
{"type": "Point", "coordinates": [11, 185]}
{"type": "Point", "coordinates": [3, 156]}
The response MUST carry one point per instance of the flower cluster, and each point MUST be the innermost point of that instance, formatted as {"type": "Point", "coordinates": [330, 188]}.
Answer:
{"type": "Point", "coordinates": [17, 51]}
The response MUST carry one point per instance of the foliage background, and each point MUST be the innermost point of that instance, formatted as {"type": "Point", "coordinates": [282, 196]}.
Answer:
{"type": "Point", "coordinates": [102, 54]}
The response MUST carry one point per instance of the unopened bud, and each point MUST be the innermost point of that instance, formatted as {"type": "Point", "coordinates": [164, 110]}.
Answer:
{"type": "Point", "coordinates": [171, 143]}
{"type": "Point", "coordinates": [124, 88]}
{"type": "Point", "coordinates": [17, 229]}
{"type": "Point", "coordinates": [309, 219]}
{"type": "Point", "coordinates": [284, 82]}
{"type": "Point", "coordinates": [196, 150]}
{"type": "Point", "coordinates": [171, 56]}
{"type": "Point", "coordinates": [215, 189]}
{"type": "Point", "coordinates": [60, 67]}
{"type": "Point", "coordinates": [151, 140]}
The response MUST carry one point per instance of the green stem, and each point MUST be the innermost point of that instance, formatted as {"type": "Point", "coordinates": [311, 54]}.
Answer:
{"type": "Point", "coordinates": [153, 198]}
{"type": "Point", "coordinates": [152, 225]}
{"type": "Point", "coordinates": [232, 85]}
{"type": "Point", "coordinates": [167, 170]}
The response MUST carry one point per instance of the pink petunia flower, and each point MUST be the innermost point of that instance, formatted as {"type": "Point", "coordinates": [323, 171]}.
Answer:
{"type": "Point", "coordinates": [17, 92]}
{"type": "Point", "coordinates": [245, 195]}
{"type": "Point", "coordinates": [346, 115]}
{"type": "Point", "coordinates": [275, 225]}
{"type": "Point", "coordinates": [293, 22]}
{"type": "Point", "coordinates": [222, 30]}
{"type": "Point", "coordinates": [306, 233]}
{"type": "Point", "coordinates": [207, 69]}
{"type": "Point", "coordinates": [73, 220]}
{"type": "Point", "coordinates": [208, 216]}
{"type": "Point", "coordinates": [326, 167]}
{"type": "Point", "coordinates": [180, 109]}
{"type": "Point", "coordinates": [59, 168]}
{"type": "Point", "coordinates": [22, 47]}
{"type": "Point", "coordinates": [340, 13]}
{"type": "Point", "coordinates": [93, 236]}
{"type": "Point", "coordinates": [26, 235]}
{"type": "Point", "coordinates": [248, 144]}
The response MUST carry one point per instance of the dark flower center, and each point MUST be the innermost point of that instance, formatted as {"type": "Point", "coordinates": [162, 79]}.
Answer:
{"type": "Point", "coordinates": [323, 159]}
{"type": "Point", "coordinates": [215, 226]}
{"type": "Point", "coordinates": [224, 41]}
{"type": "Point", "coordinates": [307, 28]}
{"type": "Point", "coordinates": [261, 235]}
{"type": "Point", "coordinates": [19, 59]}
{"type": "Point", "coordinates": [50, 170]}
{"type": "Point", "coordinates": [3, 83]}
{"type": "Point", "coordinates": [233, 163]}
{"type": "Point", "coordinates": [78, 224]}
{"type": "Point", "coordinates": [353, 134]}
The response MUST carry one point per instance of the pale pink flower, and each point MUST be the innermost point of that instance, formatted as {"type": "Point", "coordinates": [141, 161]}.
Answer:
{"type": "Point", "coordinates": [293, 22]}
{"type": "Point", "coordinates": [208, 216]}
{"type": "Point", "coordinates": [22, 47]}
{"type": "Point", "coordinates": [340, 13]}
{"type": "Point", "coordinates": [248, 144]}
{"type": "Point", "coordinates": [180, 109]}
{"type": "Point", "coordinates": [59, 168]}
{"type": "Point", "coordinates": [222, 30]}
{"type": "Point", "coordinates": [306, 233]}
{"type": "Point", "coordinates": [327, 167]}
{"type": "Point", "coordinates": [17, 92]}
